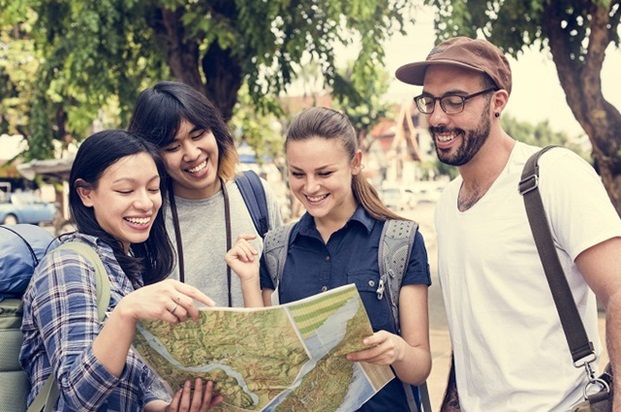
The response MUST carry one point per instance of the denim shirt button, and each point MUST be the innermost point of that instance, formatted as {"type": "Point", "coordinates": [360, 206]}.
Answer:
{"type": "Point", "coordinates": [372, 283]}
{"type": "Point", "coordinates": [324, 288]}
{"type": "Point", "coordinates": [327, 258]}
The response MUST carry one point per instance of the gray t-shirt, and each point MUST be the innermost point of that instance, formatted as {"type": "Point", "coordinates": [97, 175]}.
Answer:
{"type": "Point", "coordinates": [203, 233]}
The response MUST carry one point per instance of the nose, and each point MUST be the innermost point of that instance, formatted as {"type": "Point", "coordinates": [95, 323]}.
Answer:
{"type": "Point", "coordinates": [438, 117]}
{"type": "Point", "coordinates": [312, 184]}
{"type": "Point", "coordinates": [191, 151]}
{"type": "Point", "coordinates": [143, 200]}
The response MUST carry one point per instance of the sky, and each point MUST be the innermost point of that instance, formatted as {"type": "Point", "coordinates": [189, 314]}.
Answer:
{"type": "Point", "coordinates": [536, 93]}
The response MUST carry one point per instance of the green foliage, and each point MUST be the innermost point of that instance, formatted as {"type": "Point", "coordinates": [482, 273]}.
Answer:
{"type": "Point", "coordinates": [360, 97]}
{"type": "Point", "coordinates": [261, 130]}
{"type": "Point", "coordinates": [541, 134]}
{"type": "Point", "coordinates": [518, 24]}
{"type": "Point", "coordinates": [95, 52]}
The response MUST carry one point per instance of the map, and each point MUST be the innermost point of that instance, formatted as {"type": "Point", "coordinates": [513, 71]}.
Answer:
{"type": "Point", "coordinates": [280, 358]}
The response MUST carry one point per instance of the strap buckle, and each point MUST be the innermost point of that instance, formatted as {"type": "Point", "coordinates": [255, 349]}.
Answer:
{"type": "Point", "coordinates": [594, 381]}
{"type": "Point", "coordinates": [586, 362]}
{"type": "Point", "coordinates": [528, 184]}
{"type": "Point", "coordinates": [380, 288]}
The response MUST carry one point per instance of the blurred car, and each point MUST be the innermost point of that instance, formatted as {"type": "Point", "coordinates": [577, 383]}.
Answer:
{"type": "Point", "coordinates": [25, 207]}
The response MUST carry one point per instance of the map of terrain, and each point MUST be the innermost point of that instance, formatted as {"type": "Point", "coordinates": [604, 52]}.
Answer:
{"type": "Point", "coordinates": [280, 358]}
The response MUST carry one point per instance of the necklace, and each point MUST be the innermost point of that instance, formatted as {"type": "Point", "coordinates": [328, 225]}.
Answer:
{"type": "Point", "coordinates": [178, 241]}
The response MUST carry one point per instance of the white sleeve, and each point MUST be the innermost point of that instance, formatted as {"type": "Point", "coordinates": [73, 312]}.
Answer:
{"type": "Point", "coordinates": [577, 205]}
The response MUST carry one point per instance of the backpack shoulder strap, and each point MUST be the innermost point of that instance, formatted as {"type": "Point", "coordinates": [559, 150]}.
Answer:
{"type": "Point", "coordinates": [101, 276]}
{"type": "Point", "coordinates": [253, 193]}
{"type": "Point", "coordinates": [275, 248]}
{"type": "Point", "coordinates": [47, 397]}
{"type": "Point", "coordinates": [393, 256]}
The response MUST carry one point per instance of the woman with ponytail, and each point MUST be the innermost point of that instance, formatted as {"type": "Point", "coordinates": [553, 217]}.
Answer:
{"type": "Point", "coordinates": [336, 243]}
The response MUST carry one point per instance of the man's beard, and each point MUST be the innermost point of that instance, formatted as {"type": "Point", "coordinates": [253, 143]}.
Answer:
{"type": "Point", "coordinates": [472, 142]}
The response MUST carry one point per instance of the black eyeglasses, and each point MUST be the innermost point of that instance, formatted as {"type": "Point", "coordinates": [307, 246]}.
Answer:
{"type": "Point", "coordinates": [451, 103]}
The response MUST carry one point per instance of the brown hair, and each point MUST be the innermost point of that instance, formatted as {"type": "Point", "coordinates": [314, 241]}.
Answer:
{"type": "Point", "coordinates": [329, 124]}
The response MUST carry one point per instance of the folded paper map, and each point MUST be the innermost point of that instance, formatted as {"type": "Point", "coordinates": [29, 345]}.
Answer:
{"type": "Point", "coordinates": [281, 358]}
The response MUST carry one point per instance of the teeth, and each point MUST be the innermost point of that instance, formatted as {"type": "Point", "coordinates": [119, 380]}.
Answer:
{"type": "Point", "coordinates": [316, 198]}
{"type": "Point", "coordinates": [445, 137]}
{"type": "Point", "coordinates": [139, 220]}
{"type": "Point", "coordinates": [198, 168]}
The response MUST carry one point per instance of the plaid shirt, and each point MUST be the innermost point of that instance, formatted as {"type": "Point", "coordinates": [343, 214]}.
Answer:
{"type": "Point", "coordinates": [60, 324]}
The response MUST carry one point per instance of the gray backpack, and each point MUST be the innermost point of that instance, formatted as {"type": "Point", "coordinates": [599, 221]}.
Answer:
{"type": "Point", "coordinates": [393, 256]}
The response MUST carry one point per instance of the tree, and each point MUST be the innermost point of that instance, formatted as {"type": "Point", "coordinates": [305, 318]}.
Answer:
{"type": "Point", "coordinates": [577, 34]}
{"type": "Point", "coordinates": [360, 98]}
{"type": "Point", "coordinates": [95, 50]}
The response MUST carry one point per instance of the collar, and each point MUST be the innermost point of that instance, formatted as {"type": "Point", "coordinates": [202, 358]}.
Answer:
{"type": "Point", "coordinates": [306, 225]}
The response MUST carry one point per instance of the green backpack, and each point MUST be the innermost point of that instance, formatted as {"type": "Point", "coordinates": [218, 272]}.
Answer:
{"type": "Point", "coordinates": [14, 384]}
{"type": "Point", "coordinates": [393, 256]}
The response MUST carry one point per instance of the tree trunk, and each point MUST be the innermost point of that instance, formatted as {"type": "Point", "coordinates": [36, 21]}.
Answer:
{"type": "Point", "coordinates": [224, 78]}
{"type": "Point", "coordinates": [182, 54]}
{"type": "Point", "coordinates": [221, 69]}
{"type": "Point", "coordinates": [581, 82]}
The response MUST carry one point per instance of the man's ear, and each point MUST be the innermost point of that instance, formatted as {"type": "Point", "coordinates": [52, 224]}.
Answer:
{"type": "Point", "coordinates": [499, 101]}
{"type": "Point", "coordinates": [84, 191]}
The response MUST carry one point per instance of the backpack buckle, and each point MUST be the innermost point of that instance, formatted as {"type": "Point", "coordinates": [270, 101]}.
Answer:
{"type": "Point", "coordinates": [528, 183]}
{"type": "Point", "coordinates": [380, 288]}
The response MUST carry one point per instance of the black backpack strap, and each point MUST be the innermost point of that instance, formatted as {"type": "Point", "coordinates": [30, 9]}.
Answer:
{"type": "Point", "coordinates": [253, 193]}
{"type": "Point", "coordinates": [580, 347]}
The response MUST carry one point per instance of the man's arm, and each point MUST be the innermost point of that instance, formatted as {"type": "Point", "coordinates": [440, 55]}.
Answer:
{"type": "Point", "coordinates": [450, 403]}
{"type": "Point", "coordinates": [600, 266]}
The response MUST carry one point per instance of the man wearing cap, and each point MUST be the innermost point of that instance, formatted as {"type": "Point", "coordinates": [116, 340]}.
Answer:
{"type": "Point", "coordinates": [510, 353]}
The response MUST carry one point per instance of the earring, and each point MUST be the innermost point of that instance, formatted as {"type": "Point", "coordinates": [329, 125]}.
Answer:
{"type": "Point", "coordinates": [496, 114]}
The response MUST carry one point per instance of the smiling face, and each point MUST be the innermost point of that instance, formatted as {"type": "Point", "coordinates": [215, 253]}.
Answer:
{"type": "Point", "coordinates": [192, 162]}
{"type": "Point", "coordinates": [126, 199]}
{"type": "Point", "coordinates": [320, 176]}
{"type": "Point", "coordinates": [458, 137]}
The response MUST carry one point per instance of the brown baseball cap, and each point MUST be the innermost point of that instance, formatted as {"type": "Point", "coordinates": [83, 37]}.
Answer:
{"type": "Point", "coordinates": [475, 54]}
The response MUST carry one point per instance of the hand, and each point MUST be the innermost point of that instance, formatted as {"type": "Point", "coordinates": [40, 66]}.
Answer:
{"type": "Point", "coordinates": [243, 258]}
{"type": "Point", "coordinates": [202, 400]}
{"type": "Point", "coordinates": [386, 349]}
{"type": "Point", "coordinates": [168, 300]}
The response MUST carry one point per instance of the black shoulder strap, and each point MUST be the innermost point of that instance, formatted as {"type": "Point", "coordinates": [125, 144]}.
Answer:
{"type": "Point", "coordinates": [580, 346]}
{"type": "Point", "coordinates": [253, 193]}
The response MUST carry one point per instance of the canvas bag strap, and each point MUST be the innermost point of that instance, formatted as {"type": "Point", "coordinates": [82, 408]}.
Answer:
{"type": "Point", "coordinates": [49, 394]}
{"type": "Point", "coordinates": [581, 348]}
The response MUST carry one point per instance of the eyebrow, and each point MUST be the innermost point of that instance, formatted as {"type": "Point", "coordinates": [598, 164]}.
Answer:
{"type": "Point", "coordinates": [447, 93]}
{"type": "Point", "coordinates": [131, 179]}
{"type": "Point", "coordinates": [317, 169]}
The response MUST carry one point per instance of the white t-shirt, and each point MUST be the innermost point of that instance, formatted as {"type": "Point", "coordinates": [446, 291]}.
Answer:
{"type": "Point", "coordinates": [510, 350]}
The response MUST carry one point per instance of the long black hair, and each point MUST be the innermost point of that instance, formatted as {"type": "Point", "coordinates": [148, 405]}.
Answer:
{"type": "Point", "coordinates": [160, 109]}
{"type": "Point", "coordinates": [153, 258]}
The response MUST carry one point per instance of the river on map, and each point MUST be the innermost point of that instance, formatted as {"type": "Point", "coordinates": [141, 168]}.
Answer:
{"type": "Point", "coordinates": [319, 344]}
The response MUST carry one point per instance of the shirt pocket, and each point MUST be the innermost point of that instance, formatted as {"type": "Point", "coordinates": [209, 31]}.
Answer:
{"type": "Point", "coordinates": [367, 282]}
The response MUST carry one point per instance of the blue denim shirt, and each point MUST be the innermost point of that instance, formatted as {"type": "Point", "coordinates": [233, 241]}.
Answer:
{"type": "Point", "coordinates": [350, 256]}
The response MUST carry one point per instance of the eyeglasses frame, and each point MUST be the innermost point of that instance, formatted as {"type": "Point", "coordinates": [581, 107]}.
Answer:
{"type": "Point", "coordinates": [463, 100]}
